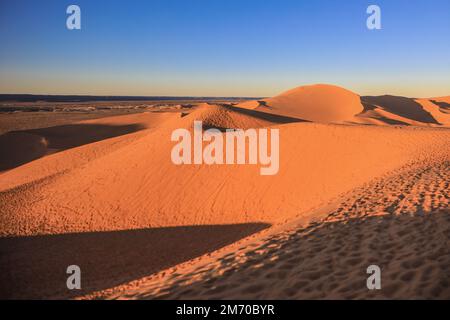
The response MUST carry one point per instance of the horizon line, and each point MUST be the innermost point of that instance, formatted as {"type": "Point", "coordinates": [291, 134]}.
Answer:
{"type": "Point", "coordinates": [109, 97]}
{"type": "Point", "coordinates": [28, 96]}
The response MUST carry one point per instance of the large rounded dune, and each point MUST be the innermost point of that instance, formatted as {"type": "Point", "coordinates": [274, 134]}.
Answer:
{"type": "Point", "coordinates": [318, 103]}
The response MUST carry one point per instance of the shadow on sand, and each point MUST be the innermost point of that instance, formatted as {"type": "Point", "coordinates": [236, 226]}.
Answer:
{"type": "Point", "coordinates": [280, 119]}
{"type": "Point", "coordinates": [329, 261]}
{"type": "Point", "coordinates": [443, 106]}
{"type": "Point", "coordinates": [401, 106]}
{"type": "Point", "coordinates": [369, 107]}
{"type": "Point", "coordinates": [35, 267]}
{"type": "Point", "coordinates": [20, 147]}
{"type": "Point", "coordinates": [275, 118]}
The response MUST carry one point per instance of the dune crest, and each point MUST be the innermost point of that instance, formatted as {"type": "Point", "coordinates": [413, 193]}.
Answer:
{"type": "Point", "coordinates": [318, 103]}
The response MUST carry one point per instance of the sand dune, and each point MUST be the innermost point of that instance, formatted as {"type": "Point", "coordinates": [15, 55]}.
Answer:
{"type": "Point", "coordinates": [319, 103]}
{"type": "Point", "coordinates": [406, 234]}
{"type": "Point", "coordinates": [317, 163]}
{"type": "Point", "coordinates": [442, 99]}
{"type": "Point", "coordinates": [332, 104]}
{"type": "Point", "coordinates": [407, 108]}
{"type": "Point", "coordinates": [439, 110]}
{"type": "Point", "coordinates": [111, 180]}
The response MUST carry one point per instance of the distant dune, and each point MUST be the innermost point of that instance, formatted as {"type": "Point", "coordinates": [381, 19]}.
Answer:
{"type": "Point", "coordinates": [332, 104]}
{"type": "Point", "coordinates": [96, 181]}
{"type": "Point", "coordinates": [319, 103]}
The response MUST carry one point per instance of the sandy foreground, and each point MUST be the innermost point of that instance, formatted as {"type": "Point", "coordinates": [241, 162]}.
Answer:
{"type": "Point", "coordinates": [364, 180]}
{"type": "Point", "coordinates": [396, 222]}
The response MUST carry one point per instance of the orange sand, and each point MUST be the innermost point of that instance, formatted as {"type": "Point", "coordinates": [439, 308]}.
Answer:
{"type": "Point", "coordinates": [114, 202]}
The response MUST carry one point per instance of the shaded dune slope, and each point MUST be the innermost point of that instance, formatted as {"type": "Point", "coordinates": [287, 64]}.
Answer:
{"type": "Point", "coordinates": [20, 147]}
{"type": "Point", "coordinates": [103, 255]}
{"type": "Point", "coordinates": [404, 107]}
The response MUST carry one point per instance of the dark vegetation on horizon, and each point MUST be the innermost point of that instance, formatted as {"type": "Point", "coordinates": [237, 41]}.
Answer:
{"type": "Point", "coordinates": [88, 98]}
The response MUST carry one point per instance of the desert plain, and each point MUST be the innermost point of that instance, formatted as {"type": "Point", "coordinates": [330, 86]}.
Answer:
{"type": "Point", "coordinates": [362, 180]}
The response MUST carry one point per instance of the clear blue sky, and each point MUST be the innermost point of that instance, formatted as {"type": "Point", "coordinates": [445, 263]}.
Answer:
{"type": "Point", "coordinates": [224, 47]}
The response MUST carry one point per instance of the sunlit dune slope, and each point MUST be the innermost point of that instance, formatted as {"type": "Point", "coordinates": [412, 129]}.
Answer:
{"type": "Point", "coordinates": [136, 185]}
{"type": "Point", "coordinates": [319, 103]}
